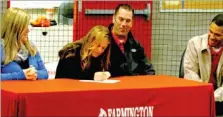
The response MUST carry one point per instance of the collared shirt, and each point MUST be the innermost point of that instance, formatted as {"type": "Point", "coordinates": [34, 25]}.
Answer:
{"type": "Point", "coordinates": [215, 57]}
{"type": "Point", "coordinates": [120, 42]}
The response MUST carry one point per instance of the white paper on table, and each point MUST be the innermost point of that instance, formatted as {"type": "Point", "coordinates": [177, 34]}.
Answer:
{"type": "Point", "coordinates": [218, 94]}
{"type": "Point", "coordinates": [103, 81]}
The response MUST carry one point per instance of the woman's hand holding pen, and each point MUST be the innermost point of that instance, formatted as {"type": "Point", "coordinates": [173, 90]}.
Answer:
{"type": "Point", "coordinates": [100, 76]}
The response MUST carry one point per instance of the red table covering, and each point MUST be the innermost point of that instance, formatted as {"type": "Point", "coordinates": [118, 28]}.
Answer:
{"type": "Point", "coordinates": [132, 96]}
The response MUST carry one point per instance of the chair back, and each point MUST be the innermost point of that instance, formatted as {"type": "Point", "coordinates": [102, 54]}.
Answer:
{"type": "Point", "coordinates": [181, 70]}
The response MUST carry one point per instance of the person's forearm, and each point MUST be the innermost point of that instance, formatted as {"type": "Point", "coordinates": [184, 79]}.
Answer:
{"type": "Point", "coordinates": [13, 76]}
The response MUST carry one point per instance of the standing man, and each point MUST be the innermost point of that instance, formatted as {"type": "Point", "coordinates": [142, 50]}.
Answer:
{"type": "Point", "coordinates": [203, 59]}
{"type": "Point", "coordinates": [127, 55]}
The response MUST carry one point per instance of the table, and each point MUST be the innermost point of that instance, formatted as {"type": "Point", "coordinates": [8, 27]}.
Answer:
{"type": "Point", "coordinates": [132, 96]}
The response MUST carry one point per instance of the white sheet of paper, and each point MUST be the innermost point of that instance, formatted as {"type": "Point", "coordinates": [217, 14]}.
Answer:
{"type": "Point", "coordinates": [104, 81]}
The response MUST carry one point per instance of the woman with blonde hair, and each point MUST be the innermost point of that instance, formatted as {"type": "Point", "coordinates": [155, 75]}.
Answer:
{"type": "Point", "coordinates": [82, 58]}
{"type": "Point", "coordinates": [19, 57]}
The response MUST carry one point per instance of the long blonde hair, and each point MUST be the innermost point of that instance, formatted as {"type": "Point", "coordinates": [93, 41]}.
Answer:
{"type": "Point", "coordinates": [13, 23]}
{"type": "Point", "coordinates": [95, 34]}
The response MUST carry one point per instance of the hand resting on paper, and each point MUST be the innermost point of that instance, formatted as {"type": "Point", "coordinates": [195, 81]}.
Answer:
{"type": "Point", "coordinates": [100, 76]}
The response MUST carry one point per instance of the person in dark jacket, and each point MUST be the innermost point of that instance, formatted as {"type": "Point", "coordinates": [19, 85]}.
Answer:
{"type": "Point", "coordinates": [127, 55]}
{"type": "Point", "coordinates": [20, 59]}
{"type": "Point", "coordinates": [83, 58]}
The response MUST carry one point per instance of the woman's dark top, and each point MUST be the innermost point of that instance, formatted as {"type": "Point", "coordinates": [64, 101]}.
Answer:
{"type": "Point", "coordinates": [24, 64]}
{"type": "Point", "coordinates": [70, 67]}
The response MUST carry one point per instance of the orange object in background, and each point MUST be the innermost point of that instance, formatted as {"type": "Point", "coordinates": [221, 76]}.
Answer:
{"type": "Point", "coordinates": [41, 21]}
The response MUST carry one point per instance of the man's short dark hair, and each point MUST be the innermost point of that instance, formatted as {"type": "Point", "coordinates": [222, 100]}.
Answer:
{"type": "Point", "coordinates": [218, 20]}
{"type": "Point", "coordinates": [124, 6]}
